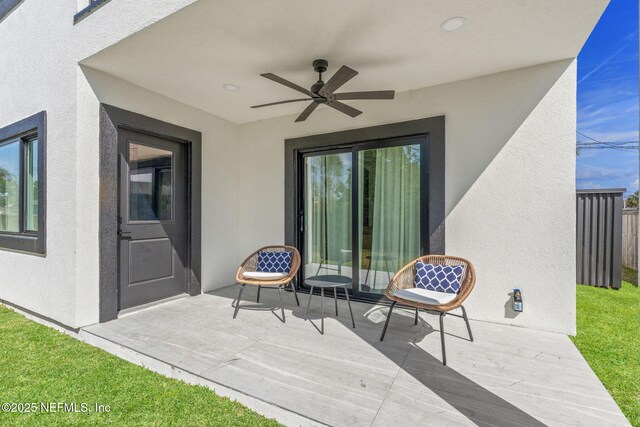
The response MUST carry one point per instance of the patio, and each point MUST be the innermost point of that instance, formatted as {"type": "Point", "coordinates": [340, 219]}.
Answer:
{"type": "Point", "coordinates": [508, 376]}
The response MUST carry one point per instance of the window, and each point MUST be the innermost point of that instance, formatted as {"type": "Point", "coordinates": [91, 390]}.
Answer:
{"type": "Point", "coordinates": [91, 6]}
{"type": "Point", "coordinates": [23, 185]}
{"type": "Point", "coordinates": [6, 6]}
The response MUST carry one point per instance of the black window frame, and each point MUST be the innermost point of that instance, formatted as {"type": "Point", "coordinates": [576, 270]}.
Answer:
{"type": "Point", "coordinates": [25, 130]}
{"type": "Point", "coordinates": [89, 9]}
{"type": "Point", "coordinates": [7, 6]}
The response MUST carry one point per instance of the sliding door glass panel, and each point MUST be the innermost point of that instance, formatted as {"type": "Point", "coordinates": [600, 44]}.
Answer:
{"type": "Point", "coordinates": [328, 216]}
{"type": "Point", "coordinates": [150, 183]}
{"type": "Point", "coordinates": [388, 212]}
{"type": "Point", "coordinates": [10, 186]}
{"type": "Point", "coordinates": [31, 185]}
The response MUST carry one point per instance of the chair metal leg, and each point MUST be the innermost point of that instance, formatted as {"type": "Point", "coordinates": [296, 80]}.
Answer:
{"type": "Point", "coordinates": [295, 294]}
{"type": "Point", "coordinates": [258, 298]}
{"type": "Point", "coordinates": [235, 313]}
{"type": "Point", "coordinates": [281, 302]}
{"type": "Point", "coordinates": [335, 298]}
{"type": "Point", "coordinates": [386, 323]}
{"type": "Point", "coordinates": [416, 321]}
{"type": "Point", "coordinates": [466, 319]}
{"type": "Point", "coordinates": [322, 308]}
{"type": "Point", "coordinates": [346, 293]}
{"type": "Point", "coordinates": [306, 316]}
{"type": "Point", "coordinates": [444, 353]}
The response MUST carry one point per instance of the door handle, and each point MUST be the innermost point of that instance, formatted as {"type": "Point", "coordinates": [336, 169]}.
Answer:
{"type": "Point", "coordinates": [124, 234]}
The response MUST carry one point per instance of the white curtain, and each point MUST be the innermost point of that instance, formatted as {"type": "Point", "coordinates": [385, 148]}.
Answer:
{"type": "Point", "coordinates": [328, 211]}
{"type": "Point", "coordinates": [392, 211]}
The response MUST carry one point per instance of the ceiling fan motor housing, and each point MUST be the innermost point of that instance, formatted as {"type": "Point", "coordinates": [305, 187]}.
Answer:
{"type": "Point", "coordinates": [320, 66]}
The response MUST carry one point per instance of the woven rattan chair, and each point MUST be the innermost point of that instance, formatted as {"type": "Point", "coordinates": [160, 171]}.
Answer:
{"type": "Point", "coordinates": [404, 279]}
{"type": "Point", "coordinates": [251, 264]}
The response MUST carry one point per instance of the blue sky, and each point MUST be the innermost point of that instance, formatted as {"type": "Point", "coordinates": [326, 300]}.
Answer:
{"type": "Point", "coordinates": [608, 98]}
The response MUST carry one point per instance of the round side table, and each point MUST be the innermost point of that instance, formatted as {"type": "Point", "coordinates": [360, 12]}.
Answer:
{"type": "Point", "coordinates": [329, 281]}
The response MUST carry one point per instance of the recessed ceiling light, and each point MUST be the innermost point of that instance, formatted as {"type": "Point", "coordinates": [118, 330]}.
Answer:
{"type": "Point", "coordinates": [453, 24]}
{"type": "Point", "coordinates": [231, 87]}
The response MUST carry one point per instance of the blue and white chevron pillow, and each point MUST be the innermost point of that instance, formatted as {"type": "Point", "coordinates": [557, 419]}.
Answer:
{"type": "Point", "coordinates": [274, 262]}
{"type": "Point", "coordinates": [440, 278]}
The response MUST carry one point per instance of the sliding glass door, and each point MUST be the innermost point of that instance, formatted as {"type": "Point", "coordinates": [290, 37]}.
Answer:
{"type": "Point", "coordinates": [328, 227]}
{"type": "Point", "coordinates": [388, 213]}
{"type": "Point", "coordinates": [364, 212]}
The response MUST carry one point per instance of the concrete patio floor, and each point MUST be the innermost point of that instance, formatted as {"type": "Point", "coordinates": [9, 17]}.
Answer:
{"type": "Point", "coordinates": [508, 376]}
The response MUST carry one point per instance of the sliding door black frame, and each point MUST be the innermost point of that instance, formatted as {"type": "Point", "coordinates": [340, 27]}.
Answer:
{"type": "Point", "coordinates": [432, 169]}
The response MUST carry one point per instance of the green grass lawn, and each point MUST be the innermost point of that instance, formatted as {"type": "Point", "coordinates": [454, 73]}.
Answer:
{"type": "Point", "coordinates": [39, 364]}
{"type": "Point", "coordinates": [609, 339]}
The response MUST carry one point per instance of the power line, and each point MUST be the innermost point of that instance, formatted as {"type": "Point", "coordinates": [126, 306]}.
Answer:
{"type": "Point", "coordinates": [595, 144]}
{"type": "Point", "coordinates": [606, 142]}
{"type": "Point", "coordinates": [608, 148]}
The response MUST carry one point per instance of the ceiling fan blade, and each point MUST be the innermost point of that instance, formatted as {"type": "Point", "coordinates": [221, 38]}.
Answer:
{"type": "Point", "coordinates": [280, 102]}
{"type": "Point", "coordinates": [307, 112]}
{"type": "Point", "coordinates": [343, 75]}
{"type": "Point", "coordinates": [374, 94]}
{"type": "Point", "coordinates": [347, 109]}
{"type": "Point", "coordinates": [289, 84]}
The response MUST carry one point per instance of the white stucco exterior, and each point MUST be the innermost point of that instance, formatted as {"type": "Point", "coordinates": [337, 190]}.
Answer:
{"type": "Point", "coordinates": [509, 177]}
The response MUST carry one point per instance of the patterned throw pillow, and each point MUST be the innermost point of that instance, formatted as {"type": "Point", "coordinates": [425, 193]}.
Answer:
{"type": "Point", "coordinates": [274, 262]}
{"type": "Point", "coordinates": [440, 278]}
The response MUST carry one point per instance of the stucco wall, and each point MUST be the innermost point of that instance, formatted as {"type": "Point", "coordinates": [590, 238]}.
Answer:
{"type": "Point", "coordinates": [509, 168]}
{"type": "Point", "coordinates": [510, 164]}
{"type": "Point", "coordinates": [39, 51]}
{"type": "Point", "coordinates": [219, 180]}
{"type": "Point", "coordinates": [38, 73]}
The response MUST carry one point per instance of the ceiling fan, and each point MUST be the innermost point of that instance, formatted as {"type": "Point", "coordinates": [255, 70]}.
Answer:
{"type": "Point", "coordinates": [324, 93]}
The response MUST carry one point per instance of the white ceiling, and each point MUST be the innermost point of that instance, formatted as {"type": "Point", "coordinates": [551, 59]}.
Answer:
{"type": "Point", "coordinates": [398, 45]}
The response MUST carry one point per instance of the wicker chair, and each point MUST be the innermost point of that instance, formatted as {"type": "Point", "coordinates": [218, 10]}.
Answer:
{"type": "Point", "coordinates": [251, 264]}
{"type": "Point", "coordinates": [404, 279]}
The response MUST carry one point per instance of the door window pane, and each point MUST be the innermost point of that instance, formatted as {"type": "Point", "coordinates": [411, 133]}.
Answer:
{"type": "Point", "coordinates": [388, 212]}
{"type": "Point", "coordinates": [327, 221]}
{"type": "Point", "coordinates": [31, 185]}
{"type": "Point", "coordinates": [10, 186]}
{"type": "Point", "coordinates": [150, 183]}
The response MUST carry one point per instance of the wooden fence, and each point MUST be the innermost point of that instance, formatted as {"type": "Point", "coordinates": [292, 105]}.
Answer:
{"type": "Point", "coordinates": [630, 238]}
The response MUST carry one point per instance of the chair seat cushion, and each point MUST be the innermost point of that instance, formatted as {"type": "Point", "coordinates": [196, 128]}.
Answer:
{"type": "Point", "coordinates": [274, 262]}
{"type": "Point", "coordinates": [425, 296]}
{"type": "Point", "coordinates": [441, 278]}
{"type": "Point", "coordinates": [262, 275]}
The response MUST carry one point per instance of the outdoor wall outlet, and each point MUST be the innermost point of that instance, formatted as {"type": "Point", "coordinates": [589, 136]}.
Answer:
{"type": "Point", "coordinates": [517, 300]}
